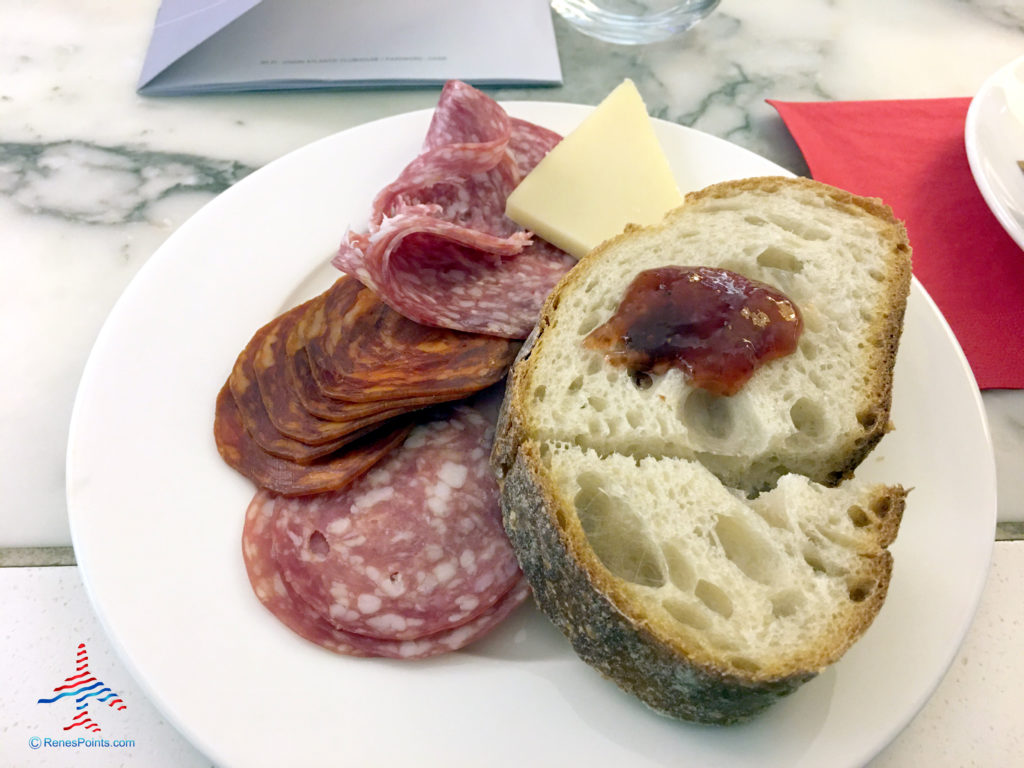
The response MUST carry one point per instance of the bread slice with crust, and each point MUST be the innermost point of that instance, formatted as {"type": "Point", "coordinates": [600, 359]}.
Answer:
{"type": "Point", "coordinates": [709, 553]}
{"type": "Point", "coordinates": [705, 605]}
{"type": "Point", "coordinates": [843, 260]}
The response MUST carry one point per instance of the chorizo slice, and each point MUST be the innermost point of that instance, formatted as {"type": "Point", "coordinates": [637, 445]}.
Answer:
{"type": "Point", "coordinates": [253, 412]}
{"type": "Point", "coordinates": [368, 352]}
{"type": "Point", "coordinates": [304, 385]}
{"type": "Point", "coordinates": [272, 369]}
{"type": "Point", "coordinates": [328, 473]}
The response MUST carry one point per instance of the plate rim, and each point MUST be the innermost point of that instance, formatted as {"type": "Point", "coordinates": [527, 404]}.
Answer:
{"type": "Point", "coordinates": [1011, 224]}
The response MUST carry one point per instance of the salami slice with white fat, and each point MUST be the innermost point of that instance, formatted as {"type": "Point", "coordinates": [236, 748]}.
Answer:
{"type": "Point", "coordinates": [414, 547]}
{"type": "Point", "coordinates": [439, 248]}
{"type": "Point", "coordinates": [273, 591]}
{"type": "Point", "coordinates": [464, 170]}
{"type": "Point", "coordinates": [291, 610]}
{"type": "Point", "coordinates": [529, 143]}
{"type": "Point", "coordinates": [469, 286]}
{"type": "Point", "coordinates": [450, 639]}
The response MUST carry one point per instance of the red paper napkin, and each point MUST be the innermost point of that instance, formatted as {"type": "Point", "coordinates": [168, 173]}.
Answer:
{"type": "Point", "coordinates": [911, 154]}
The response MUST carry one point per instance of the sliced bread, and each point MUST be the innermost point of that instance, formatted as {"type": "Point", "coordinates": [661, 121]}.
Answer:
{"type": "Point", "coordinates": [843, 260]}
{"type": "Point", "coordinates": [694, 547]}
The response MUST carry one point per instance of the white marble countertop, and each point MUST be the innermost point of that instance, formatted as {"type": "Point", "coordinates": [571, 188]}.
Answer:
{"type": "Point", "coordinates": [93, 178]}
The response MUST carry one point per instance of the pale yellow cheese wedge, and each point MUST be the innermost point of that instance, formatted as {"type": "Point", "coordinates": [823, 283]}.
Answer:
{"type": "Point", "coordinates": [609, 172]}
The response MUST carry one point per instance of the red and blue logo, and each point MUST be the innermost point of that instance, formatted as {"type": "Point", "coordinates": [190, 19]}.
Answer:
{"type": "Point", "coordinates": [86, 689]}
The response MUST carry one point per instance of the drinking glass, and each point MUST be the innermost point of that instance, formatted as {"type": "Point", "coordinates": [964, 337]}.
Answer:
{"type": "Point", "coordinates": [632, 22]}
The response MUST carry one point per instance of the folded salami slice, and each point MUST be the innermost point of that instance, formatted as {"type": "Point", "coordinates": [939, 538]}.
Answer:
{"type": "Point", "coordinates": [439, 248]}
{"type": "Point", "coordinates": [368, 352]}
{"type": "Point", "coordinates": [329, 473]}
{"type": "Point", "coordinates": [529, 143]}
{"type": "Point", "coordinates": [414, 547]}
{"type": "Point", "coordinates": [464, 167]}
{"type": "Point", "coordinates": [282, 601]}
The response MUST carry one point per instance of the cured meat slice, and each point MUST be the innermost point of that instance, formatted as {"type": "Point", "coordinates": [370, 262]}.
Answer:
{"type": "Point", "coordinates": [273, 591]}
{"type": "Point", "coordinates": [529, 143]}
{"type": "Point", "coordinates": [465, 115]}
{"type": "Point", "coordinates": [414, 547]}
{"type": "Point", "coordinates": [440, 249]}
{"type": "Point", "coordinates": [330, 473]}
{"type": "Point", "coordinates": [285, 604]}
{"type": "Point", "coordinates": [464, 170]}
{"type": "Point", "coordinates": [292, 611]}
{"type": "Point", "coordinates": [300, 383]}
{"type": "Point", "coordinates": [467, 287]}
{"type": "Point", "coordinates": [286, 411]}
{"type": "Point", "coordinates": [369, 352]}
{"type": "Point", "coordinates": [319, 404]}
{"type": "Point", "coordinates": [256, 420]}
{"type": "Point", "coordinates": [450, 639]}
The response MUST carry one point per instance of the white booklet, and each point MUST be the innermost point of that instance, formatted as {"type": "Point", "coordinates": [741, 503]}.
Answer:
{"type": "Point", "coordinates": [232, 45]}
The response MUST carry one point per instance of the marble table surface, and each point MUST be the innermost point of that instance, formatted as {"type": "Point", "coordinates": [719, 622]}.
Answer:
{"type": "Point", "coordinates": [94, 177]}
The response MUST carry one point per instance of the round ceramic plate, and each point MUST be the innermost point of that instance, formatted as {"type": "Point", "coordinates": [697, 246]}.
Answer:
{"type": "Point", "coordinates": [156, 519]}
{"type": "Point", "coordinates": [994, 138]}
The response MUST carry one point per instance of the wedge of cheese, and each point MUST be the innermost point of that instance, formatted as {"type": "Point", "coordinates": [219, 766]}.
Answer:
{"type": "Point", "coordinates": [609, 172]}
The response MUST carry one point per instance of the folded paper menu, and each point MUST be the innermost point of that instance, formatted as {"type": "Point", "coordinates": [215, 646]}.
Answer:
{"type": "Point", "coordinates": [233, 45]}
{"type": "Point", "coordinates": [911, 154]}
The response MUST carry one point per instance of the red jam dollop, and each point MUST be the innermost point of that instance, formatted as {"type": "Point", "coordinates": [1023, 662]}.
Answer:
{"type": "Point", "coordinates": [718, 327]}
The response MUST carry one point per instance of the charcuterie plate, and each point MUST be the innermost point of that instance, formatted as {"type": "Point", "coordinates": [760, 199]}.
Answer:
{"type": "Point", "coordinates": [156, 520]}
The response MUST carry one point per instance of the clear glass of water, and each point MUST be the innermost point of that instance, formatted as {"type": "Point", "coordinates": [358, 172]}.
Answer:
{"type": "Point", "coordinates": [632, 22]}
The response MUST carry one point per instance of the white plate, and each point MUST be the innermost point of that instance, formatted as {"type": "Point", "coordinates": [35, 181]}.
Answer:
{"type": "Point", "coordinates": [994, 137]}
{"type": "Point", "coordinates": [156, 519]}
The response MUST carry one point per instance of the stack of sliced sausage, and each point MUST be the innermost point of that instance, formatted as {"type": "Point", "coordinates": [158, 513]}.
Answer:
{"type": "Point", "coordinates": [325, 390]}
{"type": "Point", "coordinates": [365, 415]}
